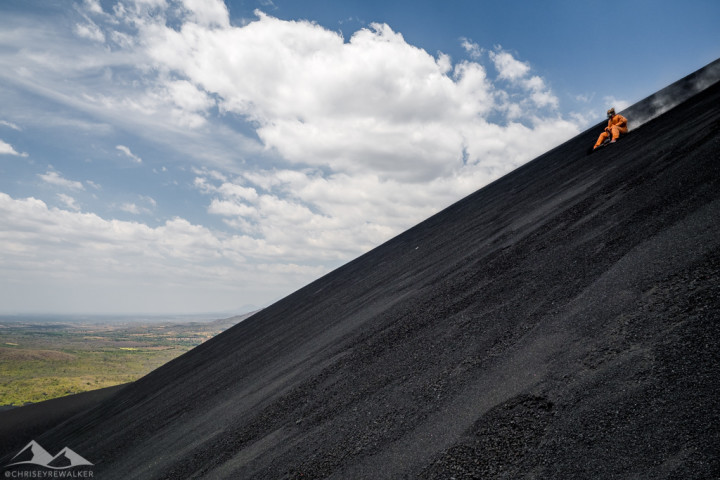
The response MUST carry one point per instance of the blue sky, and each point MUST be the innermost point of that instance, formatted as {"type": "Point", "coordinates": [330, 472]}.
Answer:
{"type": "Point", "coordinates": [188, 156]}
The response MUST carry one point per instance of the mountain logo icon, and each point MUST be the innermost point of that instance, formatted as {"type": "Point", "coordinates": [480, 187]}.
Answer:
{"type": "Point", "coordinates": [34, 454]}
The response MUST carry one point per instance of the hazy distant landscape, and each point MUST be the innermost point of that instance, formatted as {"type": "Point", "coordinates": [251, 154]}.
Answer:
{"type": "Point", "coordinates": [45, 358]}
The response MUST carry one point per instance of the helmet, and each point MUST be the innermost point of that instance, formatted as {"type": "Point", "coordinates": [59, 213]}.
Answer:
{"type": "Point", "coordinates": [611, 112]}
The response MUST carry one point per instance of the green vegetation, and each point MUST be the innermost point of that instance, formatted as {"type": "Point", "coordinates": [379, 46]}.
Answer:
{"type": "Point", "coordinates": [43, 361]}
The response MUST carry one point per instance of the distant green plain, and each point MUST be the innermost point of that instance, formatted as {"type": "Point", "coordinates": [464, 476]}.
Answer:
{"type": "Point", "coordinates": [43, 361]}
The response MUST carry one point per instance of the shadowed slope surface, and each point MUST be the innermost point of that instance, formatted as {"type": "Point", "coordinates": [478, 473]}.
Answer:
{"type": "Point", "coordinates": [561, 322]}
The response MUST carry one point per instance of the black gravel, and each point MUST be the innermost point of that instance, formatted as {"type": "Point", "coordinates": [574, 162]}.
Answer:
{"type": "Point", "coordinates": [562, 322]}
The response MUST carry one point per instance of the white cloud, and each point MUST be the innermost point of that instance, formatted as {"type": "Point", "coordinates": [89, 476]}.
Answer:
{"type": "Point", "coordinates": [93, 6]}
{"type": "Point", "coordinates": [357, 124]}
{"type": "Point", "coordinates": [473, 49]}
{"type": "Point", "coordinates": [149, 200]}
{"type": "Point", "coordinates": [148, 204]}
{"type": "Point", "coordinates": [188, 97]}
{"type": "Point", "coordinates": [508, 67]}
{"type": "Point", "coordinates": [134, 209]}
{"type": "Point", "coordinates": [145, 6]}
{"type": "Point", "coordinates": [214, 174]}
{"type": "Point", "coordinates": [544, 98]}
{"type": "Point", "coordinates": [42, 246]}
{"type": "Point", "coordinates": [130, 208]}
{"type": "Point", "coordinates": [613, 102]}
{"type": "Point", "coordinates": [374, 103]}
{"type": "Point", "coordinates": [10, 125]}
{"type": "Point", "coordinates": [69, 202]}
{"type": "Point", "coordinates": [90, 31]}
{"type": "Point", "coordinates": [209, 13]}
{"type": "Point", "coordinates": [584, 118]}
{"type": "Point", "coordinates": [54, 178]}
{"type": "Point", "coordinates": [191, 104]}
{"type": "Point", "coordinates": [536, 93]}
{"type": "Point", "coordinates": [7, 149]}
{"type": "Point", "coordinates": [129, 153]}
{"type": "Point", "coordinates": [351, 140]}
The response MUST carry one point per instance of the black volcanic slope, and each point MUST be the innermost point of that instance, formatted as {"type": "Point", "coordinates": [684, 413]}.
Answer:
{"type": "Point", "coordinates": [562, 322]}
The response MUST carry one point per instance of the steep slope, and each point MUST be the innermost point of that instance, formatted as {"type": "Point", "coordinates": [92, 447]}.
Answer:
{"type": "Point", "coordinates": [559, 323]}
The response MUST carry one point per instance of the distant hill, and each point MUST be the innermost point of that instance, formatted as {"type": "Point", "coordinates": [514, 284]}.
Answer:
{"type": "Point", "coordinates": [562, 322]}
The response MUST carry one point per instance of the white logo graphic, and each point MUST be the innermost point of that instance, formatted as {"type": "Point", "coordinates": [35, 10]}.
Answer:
{"type": "Point", "coordinates": [34, 454]}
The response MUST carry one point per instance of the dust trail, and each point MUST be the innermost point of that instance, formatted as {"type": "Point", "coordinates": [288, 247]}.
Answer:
{"type": "Point", "coordinates": [671, 96]}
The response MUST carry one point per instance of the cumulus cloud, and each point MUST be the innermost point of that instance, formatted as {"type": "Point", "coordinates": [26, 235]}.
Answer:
{"type": "Point", "coordinates": [42, 244]}
{"type": "Point", "coordinates": [354, 124]}
{"type": "Point", "coordinates": [508, 67]}
{"type": "Point", "coordinates": [7, 149]}
{"type": "Point", "coordinates": [128, 153]}
{"type": "Point", "coordinates": [208, 13]}
{"type": "Point", "coordinates": [147, 205]}
{"type": "Point", "coordinates": [55, 178]}
{"type": "Point", "coordinates": [535, 92]}
{"type": "Point", "coordinates": [90, 31]}
{"type": "Point", "coordinates": [473, 49]}
{"type": "Point", "coordinates": [613, 102]}
{"type": "Point", "coordinates": [372, 103]}
{"type": "Point", "coordinates": [69, 202]}
{"type": "Point", "coordinates": [310, 147]}
{"type": "Point", "coordinates": [9, 124]}
{"type": "Point", "coordinates": [130, 208]}
{"type": "Point", "coordinates": [93, 6]}
{"type": "Point", "coordinates": [325, 219]}
{"type": "Point", "coordinates": [191, 104]}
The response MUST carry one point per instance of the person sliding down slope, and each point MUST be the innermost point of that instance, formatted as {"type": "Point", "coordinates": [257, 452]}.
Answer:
{"type": "Point", "coordinates": [617, 124]}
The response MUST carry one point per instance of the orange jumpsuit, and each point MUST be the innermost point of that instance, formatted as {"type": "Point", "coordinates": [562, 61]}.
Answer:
{"type": "Point", "coordinates": [616, 125]}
